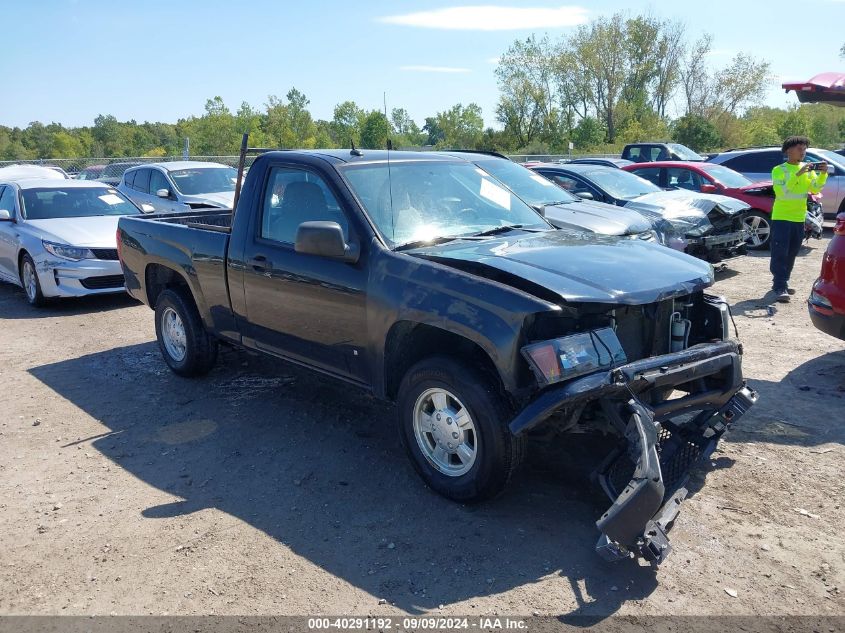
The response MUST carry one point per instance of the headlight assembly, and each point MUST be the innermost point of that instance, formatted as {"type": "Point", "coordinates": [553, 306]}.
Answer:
{"type": "Point", "coordinates": [67, 252]}
{"type": "Point", "coordinates": [570, 356]}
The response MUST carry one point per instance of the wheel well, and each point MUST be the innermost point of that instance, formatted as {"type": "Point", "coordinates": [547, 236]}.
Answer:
{"type": "Point", "coordinates": [841, 206]}
{"type": "Point", "coordinates": [159, 278]}
{"type": "Point", "coordinates": [20, 263]}
{"type": "Point", "coordinates": [408, 343]}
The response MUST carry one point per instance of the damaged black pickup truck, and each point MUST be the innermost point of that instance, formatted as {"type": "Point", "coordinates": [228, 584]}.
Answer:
{"type": "Point", "coordinates": [419, 278]}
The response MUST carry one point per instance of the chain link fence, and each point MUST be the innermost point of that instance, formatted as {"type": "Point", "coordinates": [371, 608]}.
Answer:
{"type": "Point", "coordinates": [97, 168]}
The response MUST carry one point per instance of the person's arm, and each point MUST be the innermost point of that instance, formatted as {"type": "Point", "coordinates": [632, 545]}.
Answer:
{"type": "Point", "coordinates": [818, 181]}
{"type": "Point", "coordinates": [796, 183]}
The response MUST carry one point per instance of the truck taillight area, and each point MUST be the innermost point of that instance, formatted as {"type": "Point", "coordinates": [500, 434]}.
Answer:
{"type": "Point", "coordinates": [839, 227]}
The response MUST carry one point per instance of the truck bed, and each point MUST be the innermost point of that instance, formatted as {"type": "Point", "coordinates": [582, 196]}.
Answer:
{"type": "Point", "coordinates": [219, 220]}
{"type": "Point", "coordinates": [193, 244]}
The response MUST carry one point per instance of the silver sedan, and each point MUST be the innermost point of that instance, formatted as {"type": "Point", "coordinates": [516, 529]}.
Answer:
{"type": "Point", "coordinates": [57, 237]}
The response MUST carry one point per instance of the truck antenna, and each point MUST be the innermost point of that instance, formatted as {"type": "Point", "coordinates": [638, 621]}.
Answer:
{"type": "Point", "coordinates": [354, 152]}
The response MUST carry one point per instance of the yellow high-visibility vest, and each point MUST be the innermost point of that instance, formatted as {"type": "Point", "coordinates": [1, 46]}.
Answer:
{"type": "Point", "coordinates": [791, 191]}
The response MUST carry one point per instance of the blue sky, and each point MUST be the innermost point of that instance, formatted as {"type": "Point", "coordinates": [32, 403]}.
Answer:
{"type": "Point", "coordinates": [69, 60]}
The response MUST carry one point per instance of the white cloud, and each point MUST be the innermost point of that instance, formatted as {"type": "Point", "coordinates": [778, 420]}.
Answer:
{"type": "Point", "coordinates": [491, 18]}
{"type": "Point", "coordinates": [494, 60]}
{"type": "Point", "coordinates": [434, 69]}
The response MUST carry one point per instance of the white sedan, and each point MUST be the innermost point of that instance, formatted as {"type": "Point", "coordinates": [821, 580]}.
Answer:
{"type": "Point", "coordinates": [58, 237]}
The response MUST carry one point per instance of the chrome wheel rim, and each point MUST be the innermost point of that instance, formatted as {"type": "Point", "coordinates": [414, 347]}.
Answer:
{"type": "Point", "coordinates": [445, 432]}
{"type": "Point", "coordinates": [758, 229]}
{"type": "Point", "coordinates": [30, 282]}
{"type": "Point", "coordinates": [173, 334]}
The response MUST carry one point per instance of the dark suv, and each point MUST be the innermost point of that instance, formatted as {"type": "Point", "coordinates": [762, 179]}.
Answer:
{"type": "Point", "coordinates": [649, 152]}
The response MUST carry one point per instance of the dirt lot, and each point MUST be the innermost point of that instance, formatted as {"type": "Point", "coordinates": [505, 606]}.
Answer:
{"type": "Point", "coordinates": [265, 489]}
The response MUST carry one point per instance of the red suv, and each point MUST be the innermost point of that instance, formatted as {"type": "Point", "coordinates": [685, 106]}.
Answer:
{"type": "Point", "coordinates": [827, 299]}
{"type": "Point", "coordinates": [712, 178]}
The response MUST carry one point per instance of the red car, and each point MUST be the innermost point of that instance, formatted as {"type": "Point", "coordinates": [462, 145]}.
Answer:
{"type": "Point", "coordinates": [827, 299]}
{"type": "Point", "coordinates": [712, 178]}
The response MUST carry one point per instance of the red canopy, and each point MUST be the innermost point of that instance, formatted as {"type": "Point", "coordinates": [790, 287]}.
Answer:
{"type": "Point", "coordinates": [823, 88]}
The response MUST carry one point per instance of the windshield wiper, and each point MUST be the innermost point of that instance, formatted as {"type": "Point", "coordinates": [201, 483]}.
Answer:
{"type": "Point", "coordinates": [551, 204]}
{"type": "Point", "coordinates": [406, 246]}
{"type": "Point", "coordinates": [499, 229]}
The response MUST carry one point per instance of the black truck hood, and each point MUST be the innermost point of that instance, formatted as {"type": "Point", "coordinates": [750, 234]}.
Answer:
{"type": "Point", "coordinates": [597, 217]}
{"type": "Point", "coordinates": [577, 267]}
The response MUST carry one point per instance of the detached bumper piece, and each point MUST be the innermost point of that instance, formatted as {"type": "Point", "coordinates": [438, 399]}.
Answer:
{"type": "Point", "coordinates": [646, 479]}
{"type": "Point", "coordinates": [663, 439]}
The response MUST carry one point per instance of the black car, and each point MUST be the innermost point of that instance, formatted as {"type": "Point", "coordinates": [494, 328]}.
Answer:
{"type": "Point", "coordinates": [658, 151]}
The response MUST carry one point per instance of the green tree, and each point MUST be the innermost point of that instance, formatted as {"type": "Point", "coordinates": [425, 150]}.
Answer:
{"type": "Point", "coordinates": [375, 131]}
{"type": "Point", "coordinates": [588, 133]}
{"type": "Point", "coordinates": [461, 127]}
{"type": "Point", "coordinates": [65, 145]}
{"type": "Point", "coordinates": [527, 86]}
{"type": "Point", "coordinates": [345, 126]}
{"type": "Point", "coordinates": [435, 133]}
{"type": "Point", "coordinates": [697, 132]}
{"type": "Point", "coordinates": [795, 123]}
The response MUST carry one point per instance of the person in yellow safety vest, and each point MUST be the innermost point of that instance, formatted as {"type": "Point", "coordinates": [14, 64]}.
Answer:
{"type": "Point", "coordinates": [792, 180]}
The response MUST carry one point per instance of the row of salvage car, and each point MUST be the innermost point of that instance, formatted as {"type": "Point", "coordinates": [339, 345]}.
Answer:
{"type": "Point", "coordinates": [57, 235]}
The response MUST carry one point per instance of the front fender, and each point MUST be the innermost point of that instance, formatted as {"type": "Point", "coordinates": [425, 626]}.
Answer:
{"type": "Point", "coordinates": [490, 314]}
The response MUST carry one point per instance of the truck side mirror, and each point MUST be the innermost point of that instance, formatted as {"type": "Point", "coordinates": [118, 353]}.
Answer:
{"type": "Point", "coordinates": [6, 215]}
{"type": "Point", "coordinates": [163, 193]}
{"type": "Point", "coordinates": [586, 195]}
{"type": "Point", "coordinates": [708, 188]}
{"type": "Point", "coordinates": [325, 239]}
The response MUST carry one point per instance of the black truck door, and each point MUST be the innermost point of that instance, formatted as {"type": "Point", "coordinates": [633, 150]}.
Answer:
{"type": "Point", "coordinates": [308, 308]}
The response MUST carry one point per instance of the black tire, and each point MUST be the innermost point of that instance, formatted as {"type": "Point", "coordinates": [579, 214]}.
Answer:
{"type": "Point", "coordinates": [761, 219]}
{"type": "Point", "coordinates": [200, 349]}
{"type": "Point", "coordinates": [498, 451]}
{"type": "Point", "coordinates": [35, 298]}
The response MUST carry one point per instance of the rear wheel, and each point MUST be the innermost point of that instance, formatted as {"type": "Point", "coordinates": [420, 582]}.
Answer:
{"type": "Point", "coordinates": [453, 425]}
{"type": "Point", "coordinates": [187, 348]}
{"type": "Point", "coordinates": [759, 225]}
{"type": "Point", "coordinates": [30, 283]}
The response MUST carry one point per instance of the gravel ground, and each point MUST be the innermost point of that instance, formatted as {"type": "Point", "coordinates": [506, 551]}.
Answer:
{"type": "Point", "coordinates": [264, 489]}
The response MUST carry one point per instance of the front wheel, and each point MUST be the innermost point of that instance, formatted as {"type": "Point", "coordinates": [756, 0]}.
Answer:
{"type": "Point", "coordinates": [30, 283]}
{"type": "Point", "coordinates": [759, 227]}
{"type": "Point", "coordinates": [453, 425]}
{"type": "Point", "coordinates": [187, 348]}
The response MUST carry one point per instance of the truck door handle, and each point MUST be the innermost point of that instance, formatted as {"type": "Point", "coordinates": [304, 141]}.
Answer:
{"type": "Point", "coordinates": [259, 262]}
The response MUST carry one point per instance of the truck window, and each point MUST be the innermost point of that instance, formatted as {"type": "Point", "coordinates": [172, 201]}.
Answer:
{"type": "Point", "coordinates": [294, 196]}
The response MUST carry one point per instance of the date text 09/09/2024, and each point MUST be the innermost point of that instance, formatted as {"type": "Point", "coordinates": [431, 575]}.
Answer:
{"type": "Point", "coordinates": [416, 623]}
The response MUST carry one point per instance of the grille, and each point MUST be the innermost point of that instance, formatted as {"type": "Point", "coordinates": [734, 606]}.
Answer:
{"type": "Point", "coordinates": [105, 253]}
{"type": "Point", "coordinates": [723, 223]}
{"type": "Point", "coordinates": [101, 283]}
{"type": "Point", "coordinates": [676, 457]}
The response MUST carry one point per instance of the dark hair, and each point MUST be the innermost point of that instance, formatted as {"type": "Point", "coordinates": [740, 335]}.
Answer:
{"type": "Point", "coordinates": [792, 141]}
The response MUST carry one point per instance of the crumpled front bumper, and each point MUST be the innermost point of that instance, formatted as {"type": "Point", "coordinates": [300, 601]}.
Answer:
{"type": "Point", "coordinates": [662, 438]}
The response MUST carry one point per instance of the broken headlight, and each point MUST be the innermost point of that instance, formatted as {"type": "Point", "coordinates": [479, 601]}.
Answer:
{"type": "Point", "coordinates": [574, 355]}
